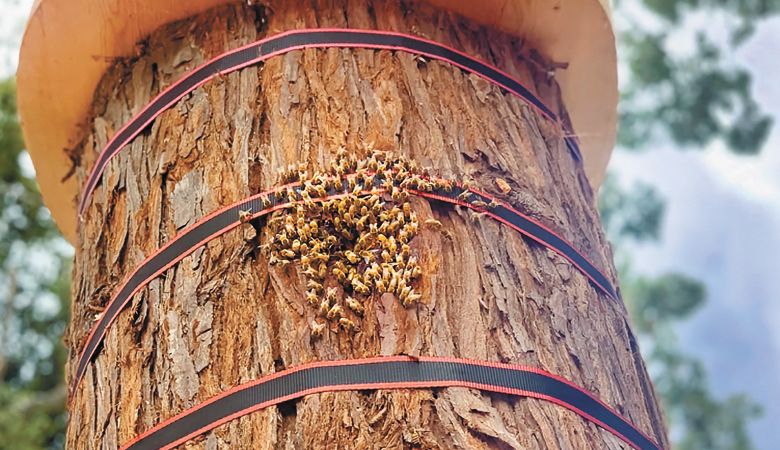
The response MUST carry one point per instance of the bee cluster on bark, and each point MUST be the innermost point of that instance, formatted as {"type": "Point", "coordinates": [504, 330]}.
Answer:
{"type": "Point", "coordinates": [355, 243]}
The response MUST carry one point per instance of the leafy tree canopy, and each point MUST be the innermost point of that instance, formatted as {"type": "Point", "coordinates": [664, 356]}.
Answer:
{"type": "Point", "coordinates": [34, 299]}
{"type": "Point", "coordinates": [690, 95]}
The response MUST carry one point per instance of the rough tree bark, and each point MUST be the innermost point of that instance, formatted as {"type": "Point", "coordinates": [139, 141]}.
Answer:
{"type": "Point", "coordinates": [222, 316]}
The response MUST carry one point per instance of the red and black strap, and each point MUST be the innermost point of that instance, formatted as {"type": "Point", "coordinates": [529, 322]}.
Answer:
{"type": "Point", "coordinates": [224, 220]}
{"type": "Point", "coordinates": [394, 372]}
{"type": "Point", "coordinates": [301, 39]}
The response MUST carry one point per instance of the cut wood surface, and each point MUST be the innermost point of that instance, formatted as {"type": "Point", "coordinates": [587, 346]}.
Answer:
{"type": "Point", "coordinates": [223, 316]}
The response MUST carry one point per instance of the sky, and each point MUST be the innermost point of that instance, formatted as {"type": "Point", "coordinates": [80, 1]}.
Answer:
{"type": "Point", "coordinates": [722, 226]}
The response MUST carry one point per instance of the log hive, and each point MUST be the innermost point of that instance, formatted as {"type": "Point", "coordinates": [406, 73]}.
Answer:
{"type": "Point", "coordinates": [223, 316]}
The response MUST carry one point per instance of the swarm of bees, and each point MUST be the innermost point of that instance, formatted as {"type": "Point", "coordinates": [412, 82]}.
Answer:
{"type": "Point", "coordinates": [350, 229]}
{"type": "Point", "coordinates": [355, 244]}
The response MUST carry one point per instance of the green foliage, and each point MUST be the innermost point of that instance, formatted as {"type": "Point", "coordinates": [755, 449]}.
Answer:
{"type": "Point", "coordinates": [698, 420]}
{"type": "Point", "coordinates": [690, 97]}
{"type": "Point", "coordinates": [34, 275]}
{"type": "Point", "coordinates": [29, 420]}
{"type": "Point", "coordinates": [636, 214]}
{"type": "Point", "coordinates": [668, 298]}
{"type": "Point", "coordinates": [748, 11]}
{"type": "Point", "coordinates": [707, 423]}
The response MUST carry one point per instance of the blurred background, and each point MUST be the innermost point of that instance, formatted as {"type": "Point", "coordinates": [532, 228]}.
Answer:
{"type": "Point", "coordinates": [692, 206]}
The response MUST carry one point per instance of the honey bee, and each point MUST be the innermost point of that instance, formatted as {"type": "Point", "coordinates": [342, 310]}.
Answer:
{"type": "Point", "coordinates": [325, 308]}
{"type": "Point", "coordinates": [340, 275]}
{"type": "Point", "coordinates": [283, 262]}
{"type": "Point", "coordinates": [317, 329]}
{"type": "Point", "coordinates": [360, 287]}
{"type": "Point", "coordinates": [306, 198]}
{"type": "Point", "coordinates": [479, 204]}
{"type": "Point", "coordinates": [244, 216]}
{"type": "Point", "coordinates": [355, 306]}
{"type": "Point", "coordinates": [287, 253]}
{"type": "Point", "coordinates": [265, 201]}
{"type": "Point", "coordinates": [399, 196]}
{"type": "Point", "coordinates": [392, 247]}
{"type": "Point", "coordinates": [292, 197]}
{"type": "Point", "coordinates": [367, 255]}
{"type": "Point", "coordinates": [335, 311]}
{"type": "Point", "coordinates": [393, 283]}
{"type": "Point", "coordinates": [388, 183]}
{"type": "Point", "coordinates": [386, 257]}
{"type": "Point", "coordinates": [311, 298]}
{"type": "Point", "coordinates": [407, 209]}
{"type": "Point", "coordinates": [282, 239]}
{"type": "Point", "coordinates": [401, 285]}
{"type": "Point", "coordinates": [384, 228]}
{"type": "Point", "coordinates": [310, 272]}
{"type": "Point", "coordinates": [434, 224]}
{"type": "Point", "coordinates": [314, 286]}
{"type": "Point", "coordinates": [361, 224]}
{"type": "Point", "coordinates": [351, 257]}
{"type": "Point", "coordinates": [322, 257]}
{"type": "Point", "coordinates": [347, 324]}
{"type": "Point", "coordinates": [425, 186]}
{"type": "Point", "coordinates": [465, 195]}
{"type": "Point", "coordinates": [404, 293]}
{"type": "Point", "coordinates": [387, 273]}
{"type": "Point", "coordinates": [374, 200]}
{"type": "Point", "coordinates": [503, 186]}
{"type": "Point", "coordinates": [444, 185]}
{"type": "Point", "coordinates": [323, 271]}
{"type": "Point", "coordinates": [412, 298]}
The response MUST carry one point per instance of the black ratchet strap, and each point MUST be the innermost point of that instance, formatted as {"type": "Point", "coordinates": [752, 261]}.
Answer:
{"type": "Point", "coordinates": [301, 39]}
{"type": "Point", "coordinates": [393, 372]}
{"type": "Point", "coordinates": [224, 220]}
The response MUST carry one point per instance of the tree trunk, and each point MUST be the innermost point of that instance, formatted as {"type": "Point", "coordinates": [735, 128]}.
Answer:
{"type": "Point", "coordinates": [223, 316]}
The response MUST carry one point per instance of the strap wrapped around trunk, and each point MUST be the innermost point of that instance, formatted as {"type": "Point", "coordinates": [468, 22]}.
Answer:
{"type": "Point", "coordinates": [394, 372]}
